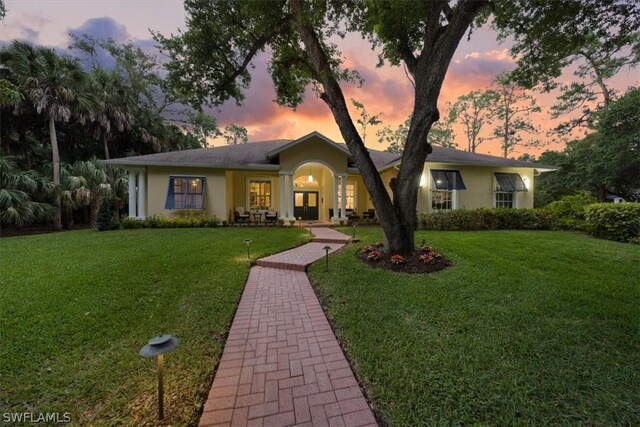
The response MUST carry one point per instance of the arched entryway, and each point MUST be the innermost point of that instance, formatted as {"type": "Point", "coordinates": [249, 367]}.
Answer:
{"type": "Point", "coordinates": [314, 192]}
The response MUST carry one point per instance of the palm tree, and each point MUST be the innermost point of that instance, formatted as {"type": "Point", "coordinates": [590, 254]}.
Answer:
{"type": "Point", "coordinates": [113, 106]}
{"type": "Point", "coordinates": [55, 85]}
{"type": "Point", "coordinates": [85, 182]}
{"type": "Point", "coordinates": [18, 191]}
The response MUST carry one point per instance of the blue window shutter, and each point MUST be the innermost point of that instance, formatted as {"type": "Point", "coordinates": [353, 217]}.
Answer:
{"type": "Point", "coordinates": [447, 179]}
{"type": "Point", "coordinates": [510, 182]}
{"type": "Point", "coordinates": [170, 202]}
{"type": "Point", "coordinates": [204, 183]}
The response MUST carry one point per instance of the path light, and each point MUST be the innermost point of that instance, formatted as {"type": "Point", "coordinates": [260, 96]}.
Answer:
{"type": "Point", "coordinates": [248, 243]}
{"type": "Point", "coordinates": [299, 221]}
{"type": "Point", "coordinates": [157, 346]}
{"type": "Point", "coordinates": [354, 231]}
{"type": "Point", "coordinates": [326, 257]}
{"type": "Point", "coordinates": [310, 234]}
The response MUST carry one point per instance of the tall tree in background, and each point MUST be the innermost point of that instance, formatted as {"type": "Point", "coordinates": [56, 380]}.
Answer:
{"type": "Point", "coordinates": [441, 134]}
{"type": "Point", "coordinates": [513, 110]}
{"type": "Point", "coordinates": [114, 109]}
{"type": "Point", "coordinates": [394, 138]}
{"type": "Point", "coordinates": [210, 62]}
{"type": "Point", "coordinates": [597, 62]}
{"type": "Point", "coordinates": [365, 119]}
{"type": "Point", "coordinates": [234, 134]}
{"type": "Point", "coordinates": [56, 86]}
{"type": "Point", "coordinates": [474, 111]}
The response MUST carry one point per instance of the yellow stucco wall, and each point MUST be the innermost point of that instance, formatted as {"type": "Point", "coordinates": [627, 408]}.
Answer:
{"type": "Point", "coordinates": [480, 184]}
{"type": "Point", "coordinates": [226, 190]}
{"type": "Point", "coordinates": [158, 184]}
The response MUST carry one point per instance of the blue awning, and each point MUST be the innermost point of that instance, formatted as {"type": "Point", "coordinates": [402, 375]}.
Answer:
{"type": "Point", "coordinates": [447, 179]}
{"type": "Point", "coordinates": [510, 182]}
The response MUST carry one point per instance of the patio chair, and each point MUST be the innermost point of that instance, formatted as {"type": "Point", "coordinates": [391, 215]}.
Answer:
{"type": "Point", "coordinates": [241, 216]}
{"type": "Point", "coordinates": [271, 216]}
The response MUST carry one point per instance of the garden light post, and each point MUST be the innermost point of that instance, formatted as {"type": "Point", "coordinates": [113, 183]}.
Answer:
{"type": "Point", "coordinates": [354, 231]}
{"type": "Point", "coordinates": [248, 243]}
{"type": "Point", "coordinates": [310, 234]}
{"type": "Point", "coordinates": [326, 257]}
{"type": "Point", "coordinates": [157, 346]}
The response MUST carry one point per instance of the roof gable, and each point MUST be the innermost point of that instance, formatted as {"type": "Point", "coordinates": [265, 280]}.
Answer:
{"type": "Point", "coordinates": [341, 147]}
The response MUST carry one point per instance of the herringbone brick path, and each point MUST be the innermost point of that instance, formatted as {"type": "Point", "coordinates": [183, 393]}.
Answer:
{"type": "Point", "coordinates": [282, 364]}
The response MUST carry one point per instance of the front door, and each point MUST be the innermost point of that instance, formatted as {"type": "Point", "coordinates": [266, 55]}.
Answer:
{"type": "Point", "coordinates": [305, 205]}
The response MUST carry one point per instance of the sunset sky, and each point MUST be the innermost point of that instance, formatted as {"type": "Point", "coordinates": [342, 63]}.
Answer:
{"type": "Point", "coordinates": [386, 90]}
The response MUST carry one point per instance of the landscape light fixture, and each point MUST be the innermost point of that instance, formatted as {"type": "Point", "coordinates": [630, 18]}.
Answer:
{"type": "Point", "coordinates": [310, 234]}
{"type": "Point", "coordinates": [326, 257]}
{"type": "Point", "coordinates": [157, 346]}
{"type": "Point", "coordinates": [248, 243]}
{"type": "Point", "coordinates": [354, 230]}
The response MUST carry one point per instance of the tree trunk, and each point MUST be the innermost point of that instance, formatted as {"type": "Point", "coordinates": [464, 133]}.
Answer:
{"type": "Point", "coordinates": [106, 147]}
{"type": "Point", "coordinates": [22, 136]}
{"type": "Point", "coordinates": [397, 217]}
{"type": "Point", "coordinates": [55, 158]}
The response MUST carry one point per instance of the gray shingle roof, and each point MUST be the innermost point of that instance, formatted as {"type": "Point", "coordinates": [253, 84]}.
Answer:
{"type": "Point", "coordinates": [253, 155]}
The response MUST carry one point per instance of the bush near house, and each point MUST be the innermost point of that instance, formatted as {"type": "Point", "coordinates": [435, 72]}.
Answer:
{"type": "Point", "coordinates": [190, 220]}
{"type": "Point", "coordinates": [620, 221]}
{"type": "Point", "coordinates": [570, 211]}
{"type": "Point", "coordinates": [488, 219]}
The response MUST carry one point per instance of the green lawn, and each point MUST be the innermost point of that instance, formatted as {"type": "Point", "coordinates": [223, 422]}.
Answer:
{"type": "Point", "coordinates": [525, 328]}
{"type": "Point", "coordinates": [76, 307]}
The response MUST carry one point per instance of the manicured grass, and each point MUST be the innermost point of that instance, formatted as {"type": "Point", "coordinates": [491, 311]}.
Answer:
{"type": "Point", "coordinates": [525, 328]}
{"type": "Point", "coordinates": [76, 307]}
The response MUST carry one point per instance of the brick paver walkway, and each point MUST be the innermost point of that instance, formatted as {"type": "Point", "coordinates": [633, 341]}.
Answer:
{"type": "Point", "coordinates": [282, 364]}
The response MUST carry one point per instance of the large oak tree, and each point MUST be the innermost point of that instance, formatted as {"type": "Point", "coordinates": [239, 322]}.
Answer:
{"type": "Point", "coordinates": [210, 62]}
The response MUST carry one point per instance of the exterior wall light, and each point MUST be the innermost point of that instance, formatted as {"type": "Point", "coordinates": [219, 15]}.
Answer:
{"type": "Point", "coordinates": [157, 346]}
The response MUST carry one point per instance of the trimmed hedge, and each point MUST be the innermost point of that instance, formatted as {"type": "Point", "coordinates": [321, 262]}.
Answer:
{"type": "Point", "coordinates": [570, 211]}
{"type": "Point", "coordinates": [159, 221]}
{"type": "Point", "coordinates": [614, 221]}
{"type": "Point", "coordinates": [488, 219]}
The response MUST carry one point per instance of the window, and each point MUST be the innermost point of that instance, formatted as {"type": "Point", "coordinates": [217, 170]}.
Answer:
{"type": "Point", "coordinates": [441, 200]}
{"type": "Point", "coordinates": [185, 192]}
{"type": "Point", "coordinates": [507, 184]}
{"type": "Point", "coordinates": [444, 184]}
{"type": "Point", "coordinates": [504, 199]}
{"type": "Point", "coordinates": [350, 191]}
{"type": "Point", "coordinates": [259, 194]}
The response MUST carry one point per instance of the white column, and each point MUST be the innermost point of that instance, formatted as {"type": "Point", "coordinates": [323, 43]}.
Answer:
{"type": "Point", "coordinates": [454, 199]}
{"type": "Point", "coordinates": [142, 194]}
{"type": "Point", "coordinates": [132, 194]}
{"type": "Point", "coordinates": [282, 196]}
{"type": "Point", "coordinates": [290, 190]}
{"type": "Point", "coordinates": [336, 214]}
{"type": "Point", "coordinates": [343, 202]}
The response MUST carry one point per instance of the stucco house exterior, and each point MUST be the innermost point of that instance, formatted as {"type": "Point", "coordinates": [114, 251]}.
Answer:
{"type": "Point", "coordinates": [314, 179]}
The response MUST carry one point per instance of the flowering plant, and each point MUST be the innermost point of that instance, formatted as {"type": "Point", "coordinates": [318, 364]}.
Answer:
{"type": "Point", "coordinates": [397, 259]}
{"type": "Point", "coordinates": [367, 249]}
{"type": "Point", "coordinates": [426, 258]}
{"type": "Point", "coordinates": [374, 256]}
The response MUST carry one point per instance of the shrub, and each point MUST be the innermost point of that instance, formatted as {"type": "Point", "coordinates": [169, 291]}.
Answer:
{"type": "Point", "coordinates": [105, 219]}
{"type": "Point", "coordinates": [570, 210]}
{"type": "Point", "coordinates": [189, 220]}
{"type": "Point", "coordinates": [487, 219]}
{"type": "Point", "coordinates": [614, 221]}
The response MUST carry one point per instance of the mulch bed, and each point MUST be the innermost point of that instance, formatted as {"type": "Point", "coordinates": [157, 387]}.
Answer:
{"type": "Point", "coordinates": [413, 264]}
